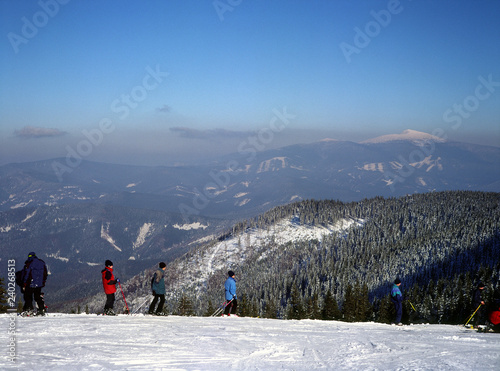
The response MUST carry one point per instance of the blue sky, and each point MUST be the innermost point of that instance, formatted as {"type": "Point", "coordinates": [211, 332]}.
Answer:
{"type": "Point", "coordinates": [163, 82]}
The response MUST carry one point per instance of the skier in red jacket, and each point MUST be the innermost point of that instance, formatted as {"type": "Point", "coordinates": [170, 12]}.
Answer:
{"type": "Point", "coordinates": [109, 283]}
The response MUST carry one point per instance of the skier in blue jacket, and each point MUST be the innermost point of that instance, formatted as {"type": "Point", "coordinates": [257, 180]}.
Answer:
{"type": "Point", "coordinates": [231, 299]}
{"type": "Point", "coordinates": [397, 299]}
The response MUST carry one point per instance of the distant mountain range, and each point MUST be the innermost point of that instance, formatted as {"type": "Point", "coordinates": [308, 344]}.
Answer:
{"type": "Point", "coordinates": [250, 182]}
{"type": "Point", "coordinates": [135, 215]}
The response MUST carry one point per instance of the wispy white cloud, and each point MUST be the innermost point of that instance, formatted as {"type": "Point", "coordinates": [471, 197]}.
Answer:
{"type": "Point", "coordinates": [164, 109]}
{"type": "Point", "coordinates": [37, 132]}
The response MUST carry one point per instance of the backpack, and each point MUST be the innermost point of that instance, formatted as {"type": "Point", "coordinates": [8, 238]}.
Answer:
{"type": "Point", "coordinates": [19, 277]}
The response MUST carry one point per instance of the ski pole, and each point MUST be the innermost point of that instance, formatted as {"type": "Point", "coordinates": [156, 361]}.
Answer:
{"type": "Point", "coordinates": [126, 305]}
{"type": "Point", "coordinates": [217, 311]}
{"type": "Point", "coordinates": [412, 306]}
{"type": "Point", "coordinates": [473, 314]}
{"type": "Point", "coordinates": [140, 306]}
{"type": "Point", "coordinates": [221, 308]}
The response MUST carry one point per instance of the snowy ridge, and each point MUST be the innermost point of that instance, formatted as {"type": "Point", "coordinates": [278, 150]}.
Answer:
{"type": "Point", "coordinates": [219, 256]}
{"type": "Point", "coordinates": [235, 249]}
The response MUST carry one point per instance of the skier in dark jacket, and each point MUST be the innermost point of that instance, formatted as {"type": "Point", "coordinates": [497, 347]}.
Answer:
{"type": "Point", "coordinates": [109, 284]}
{"type": "Point", "coordinates": [478, 304]}
{"type": "Point", "coordinates": [34, 278]}
{"type": "Point", "coordinates": [158, 288]}
{"type": "Point", "coordinates": [231, 299]}
{"type": "Point", "coordinates": [397, 299]}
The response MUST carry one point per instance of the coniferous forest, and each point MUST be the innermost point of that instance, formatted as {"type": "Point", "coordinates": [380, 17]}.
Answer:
{"type": "Point", "coordinates": [440, 245]}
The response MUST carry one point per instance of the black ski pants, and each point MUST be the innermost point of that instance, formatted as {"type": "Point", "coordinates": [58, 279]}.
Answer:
{"type": "Point", "coordinates": [161, 298]}
{"type": "Point", "coordinates": [110, 301]}
{"type": "Point", "coordinates": [29, 293]}
{"type": "Point", "coordinates": [231, 307]}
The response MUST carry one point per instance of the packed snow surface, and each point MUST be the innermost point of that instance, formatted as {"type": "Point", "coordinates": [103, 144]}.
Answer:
{"type": "Point", "coordinates": [138, 342]}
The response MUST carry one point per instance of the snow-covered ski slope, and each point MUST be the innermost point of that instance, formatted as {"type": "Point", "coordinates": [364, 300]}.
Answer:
{"type": "Point", "coordinates": [91, 342]}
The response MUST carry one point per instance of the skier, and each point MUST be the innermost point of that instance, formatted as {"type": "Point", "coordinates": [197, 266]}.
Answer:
{"type": "Point", "coordinates": [478, 302]}
{"type": "Point", "coordinates": [20, 282]}
{"type": "Point", "coordinates": [34, 278]}
{"type": "Point", "coordinates": [231, 299]}
{"type": "Point", "coordinates": [109, 283]}
{"type": "Point", "coordinates": [158, 287]}
{"type": "Point", "coordinates": [494, 315]}
{"type": "Point", "coordinates": [397, 299]}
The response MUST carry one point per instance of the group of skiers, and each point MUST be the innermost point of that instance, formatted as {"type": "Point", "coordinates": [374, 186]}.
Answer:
{"type": "Point", "coordinates": [478, 303]}
{"type": "Point", "coordinates": [33, 276]}
{"type": "Point", "coordinates": [157, 287]}
{"type": "Point", "coordinates": [158, 290]}
{"type": "Point", "coordinates": [492, 310]}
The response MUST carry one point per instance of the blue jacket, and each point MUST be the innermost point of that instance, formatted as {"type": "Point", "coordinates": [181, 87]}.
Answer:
{"type": "Point", "coordinates": [230, 287]}
{"type": "Point", "coordinates": [396, 295]}
{"type": "Point", "coordinates": [35, 273]}
{"type": "Point", "coordinates": [158, 285]}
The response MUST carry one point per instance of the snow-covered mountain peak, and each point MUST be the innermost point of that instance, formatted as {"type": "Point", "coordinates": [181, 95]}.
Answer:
{"type": "Point", "coordinates": [407, 135]}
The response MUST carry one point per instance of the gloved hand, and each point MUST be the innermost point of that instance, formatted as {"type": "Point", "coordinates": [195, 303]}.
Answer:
{"type": "Point", "coordinates": [117, 280]}
{"type": "Point", "coordinates": [154, 292]}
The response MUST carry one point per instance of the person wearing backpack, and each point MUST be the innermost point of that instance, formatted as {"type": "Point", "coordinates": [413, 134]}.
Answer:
{"type": "Point", "coordinates": [34, 278]}
{"type": "Point", "coordinates": [158, 289]}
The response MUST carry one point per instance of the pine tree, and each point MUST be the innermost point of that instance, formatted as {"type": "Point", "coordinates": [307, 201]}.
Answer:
{"type": "Point", "coordinates": [330, 309]}
{"type": "Point", "coordinates": [210, 309]}
{"type": "Point", "coordinates": [312, 309]}
{"type": "Point", "coordinates": [244, 306]}
{"type": "Point", "coordinates": [3, 297]}
{"type": "Point", "coordinates": [386, 311]}
{"type": "Point", "coordinates": [185, 306]}
{"type": "Point", "coordinates": [295, 308]}
{"type": "Point", "coordinates": [349, 307]}
{"type": "Point", "coordinates": [271, 310]}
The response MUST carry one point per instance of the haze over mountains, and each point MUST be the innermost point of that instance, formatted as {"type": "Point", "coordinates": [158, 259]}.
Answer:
{"type": "Point", "coordinates": [252, 181]}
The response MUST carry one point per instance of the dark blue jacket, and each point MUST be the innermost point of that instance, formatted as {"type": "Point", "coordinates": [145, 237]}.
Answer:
{"type": "Point", "coordinates": [477, 298]}
{"type": "Point", "coordinates": [35, 273]}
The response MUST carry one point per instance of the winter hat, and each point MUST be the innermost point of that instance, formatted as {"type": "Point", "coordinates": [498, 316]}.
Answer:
{"type": "Point", "coordinates": [31, 255]}
{"type": "Point", "coordinates": [162, 265]}
{"type": "Point", "coordinates": [230, 273]}
{"type": "Point", "coordinates": [480, 284]}
{"type": "Point", "coordinates": [108, 263]}
{"type": "Point", "coordinates": [397, 281]}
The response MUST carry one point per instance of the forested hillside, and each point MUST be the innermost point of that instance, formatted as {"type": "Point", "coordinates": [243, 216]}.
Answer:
{"type": "Point", "coordinates": [439, 244]}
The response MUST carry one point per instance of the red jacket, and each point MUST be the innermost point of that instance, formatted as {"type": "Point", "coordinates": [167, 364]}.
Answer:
{"type": "Point", "coordinates": [108, 280]}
